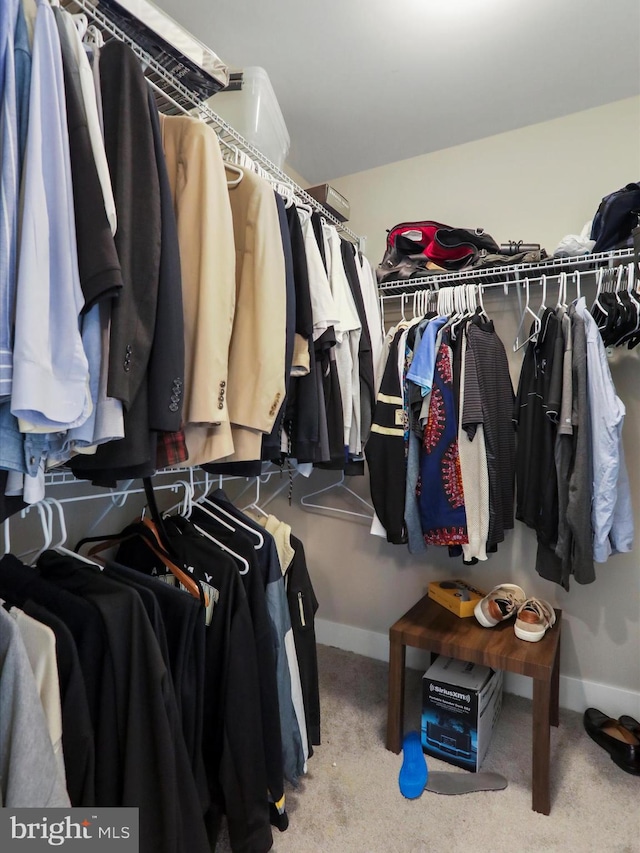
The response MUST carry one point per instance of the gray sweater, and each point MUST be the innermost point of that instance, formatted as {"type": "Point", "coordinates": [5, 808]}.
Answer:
{"type": "Point", "coordinates": [29, 776]}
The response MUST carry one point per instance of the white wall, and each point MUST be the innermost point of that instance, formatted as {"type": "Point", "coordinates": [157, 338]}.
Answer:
{"type": "Point", "coordinates": [536, 184]}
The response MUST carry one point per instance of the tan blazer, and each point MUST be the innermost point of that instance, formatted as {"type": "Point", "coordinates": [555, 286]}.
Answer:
{"type": "Point", "coordinates": [207, 256]}
{"type": "Point", "coordinates": [257, 353]}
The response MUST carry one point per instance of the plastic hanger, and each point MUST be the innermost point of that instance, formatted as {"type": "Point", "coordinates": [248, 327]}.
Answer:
{"type": "Point", "coordinates": [224, 547]}
{"type": "Point", "coordinates": [543, 304]}
{"type": "Point", "coordinates": [46, 516]}
{"type": "Point", "coordinates": [235, 170]}
{"type": "Point", "coordinates": [481, 302]}
{"type": "Point", "coordinates": [94, 36]}
{"type": "Point", "coordinates": [59, 545]}
{"type": "Point", "coordinates": [218, 509]}
{"type": "Point", "coordinates": [305, 502]}
{"type": "Point", "coordinates": [183, 506]}
{"type": "Point", "coordinates": [536, 320]}
{"type": "Point", "coordinates": [254, 504]}
{"type": "Point", "coordinates": [6, 543]}
{"type": "Point", "coordinates": [213, 515]}
{"type": "Point", "coordinates": [562, 290]}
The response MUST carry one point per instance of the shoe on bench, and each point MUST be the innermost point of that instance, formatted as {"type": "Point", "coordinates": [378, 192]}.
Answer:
{"type": "Point", "coordinates": [499, 604]}
{"type": "Point", "coordinates": [534, 617]}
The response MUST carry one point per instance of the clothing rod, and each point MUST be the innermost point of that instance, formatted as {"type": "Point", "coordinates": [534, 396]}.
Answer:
{"type": "Point", "coordinates": [188, 101]}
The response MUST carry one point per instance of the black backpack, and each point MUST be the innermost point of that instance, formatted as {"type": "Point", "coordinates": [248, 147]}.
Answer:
{"type": "Point", "coordinates": [615, 219]}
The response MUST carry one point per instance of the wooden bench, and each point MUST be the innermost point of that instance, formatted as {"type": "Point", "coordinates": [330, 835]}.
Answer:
{"type": "Point", "coordinates": [433, 628]}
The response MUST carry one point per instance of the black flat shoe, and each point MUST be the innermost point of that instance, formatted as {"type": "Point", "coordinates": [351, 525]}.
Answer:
{"type": "Point", "coordinates": [622, 744]}
{"type": "Point", "coordinates": [630, 723]}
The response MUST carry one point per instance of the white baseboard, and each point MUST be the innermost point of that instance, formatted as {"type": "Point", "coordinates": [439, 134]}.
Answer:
{"type": "Point", "coordinates": [575, 694]}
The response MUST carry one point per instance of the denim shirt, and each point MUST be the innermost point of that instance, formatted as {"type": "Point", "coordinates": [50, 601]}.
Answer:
{"type": "Point", "coordinates": [611, 511]}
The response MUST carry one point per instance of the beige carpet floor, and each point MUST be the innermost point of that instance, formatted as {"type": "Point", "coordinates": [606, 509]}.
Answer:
{"type": "Point", "coordinates": [349, 801]}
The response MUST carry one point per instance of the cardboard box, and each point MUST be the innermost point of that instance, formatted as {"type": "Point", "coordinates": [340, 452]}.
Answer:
{"type": "Point", "coordinates": [452, 598]}
{"type": "Point", "coordinates": [332, 200]}
{"type": "Point", "coordinates": [461, 704]}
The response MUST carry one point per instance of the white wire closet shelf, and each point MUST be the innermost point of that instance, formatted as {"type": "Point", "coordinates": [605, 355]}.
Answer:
{"type": "Point", "coordinates": [174, 98]}
{"type": "Point", "coordinates": [508, 272]}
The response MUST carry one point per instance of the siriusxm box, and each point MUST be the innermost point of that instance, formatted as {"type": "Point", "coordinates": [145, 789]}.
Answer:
{"type": "Point", "coordinates": [461, 703]}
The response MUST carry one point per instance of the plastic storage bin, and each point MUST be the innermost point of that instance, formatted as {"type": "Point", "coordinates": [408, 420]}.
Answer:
{"type": "Point", "coordinates": [255, 113]}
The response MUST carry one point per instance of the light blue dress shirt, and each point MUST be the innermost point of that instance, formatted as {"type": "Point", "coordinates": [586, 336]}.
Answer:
{"type": "Point", "coordinates": [424, 359]}
{"type": "Point", "coordinates": [50, 370]}
{"type": "Point", "coordinates": [9, 188]}
{"type": "Point", "coordinates": [611, 510]}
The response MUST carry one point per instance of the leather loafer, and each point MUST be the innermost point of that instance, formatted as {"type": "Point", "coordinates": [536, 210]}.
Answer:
{"type": "Point", "coordinates": [631, 724]}
{"type": "Point", "coordinates": [622, 744]}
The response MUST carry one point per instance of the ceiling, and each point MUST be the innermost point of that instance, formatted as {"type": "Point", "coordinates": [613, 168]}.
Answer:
{"type": "Point", "coordinates": [362, 84]}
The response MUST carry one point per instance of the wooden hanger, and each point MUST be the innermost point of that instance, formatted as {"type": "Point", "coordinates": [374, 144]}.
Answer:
{"type": "Point", "coordinates": [149, 535]}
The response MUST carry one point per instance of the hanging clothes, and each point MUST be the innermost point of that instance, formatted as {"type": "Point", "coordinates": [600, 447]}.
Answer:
{"type": "Point", "coordinates": [385, 451]}
{"type": "Point", "coordinates": [439, 488]}
{"type": "Point", "coordinates": [201, 201]}
{"type": "Point", "coordinates": [29, 774]}
{"type": "Point", "coordinates": [611, 513]}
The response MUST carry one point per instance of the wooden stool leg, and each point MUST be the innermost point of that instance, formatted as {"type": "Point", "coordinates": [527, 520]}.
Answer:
{"type": "Point", "coordinates": [555, 689]}
{"type": "Point", "coordinates": [541, 799]}
{"type": "Point", "coordinates": [395, 708]}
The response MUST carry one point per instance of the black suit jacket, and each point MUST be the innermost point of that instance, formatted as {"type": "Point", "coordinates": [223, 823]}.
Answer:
{"type": "Point", "coordinates": [136, 188]}
{"type": "Point", "coordinates": [166, 364]}
{"type": "Point", "coordinates": [98, 264]}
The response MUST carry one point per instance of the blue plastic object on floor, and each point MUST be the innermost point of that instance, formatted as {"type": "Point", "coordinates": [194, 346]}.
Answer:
{"type": "Point", "coordinates": [413, 773]}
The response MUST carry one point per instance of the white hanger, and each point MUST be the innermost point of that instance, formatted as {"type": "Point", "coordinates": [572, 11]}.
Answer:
{"type": "Point", "coordinates": [235, 170]}
{"type": "Point", "coordinates": [59, 545]}
{"type": "Point", "coordinates": [94, 36]}
{"type": "Point", "coordinates": [223, 547]}
{"type": "Point", "coordinates": [305, 502]}
{"type": "Point", "coordinates": [576, 279]}
{"type": "Point", "coordinates": [527, 310]}
{"type": "Point", "coordinates": [302, 205]}
{"type": "Point", "coordinates": [183, 506]}
{"type": "Point", "coordinates": [596, 301]}
{"type": "Point", "coordinates": [214, 516]}
{"type": "Point", "coordinates": [543, 304]}
{"type": "Point", "coordinates": [218, 509]}
{"type": "Point", "coordinates": [254, 504]}
{"type": "Point", "coordinates": [481, 302]}
{"type": "Point", "coordinates": [46, 515]}
{"type": "Point", "coordinates": [6, 544]}
{"type": "Point", "coordinates": [82, 24]}
{"type": "Point", "coordinates": [562, 290]}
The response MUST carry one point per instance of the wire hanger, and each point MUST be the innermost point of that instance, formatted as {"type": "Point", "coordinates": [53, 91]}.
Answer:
{"type": "Point", "coordinates": [340, 485]}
